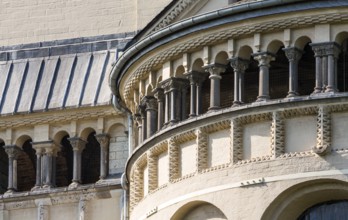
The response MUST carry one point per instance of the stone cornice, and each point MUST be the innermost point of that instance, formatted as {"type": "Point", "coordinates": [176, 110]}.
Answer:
{"type": "Point", "coordinates": [14, 121]}
{"type": "Point", "coordinates": [58, 196]}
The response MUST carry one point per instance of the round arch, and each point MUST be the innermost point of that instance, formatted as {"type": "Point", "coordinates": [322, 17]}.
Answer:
{"type": "Point", "coordinates": [302, 41]}
{"type": "Point", "coordinates": [198, 210]}
{"type": "Point", "coordinates": [245, 52]}
{"type": "Point", "coordinates": [221, 58]}
{"type": "Point", "coordinates": [291, 203]}
{"type": "Point", "coordinates": [274, 46]}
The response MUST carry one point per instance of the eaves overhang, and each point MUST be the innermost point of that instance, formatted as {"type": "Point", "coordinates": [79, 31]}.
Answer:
{"type": "Point", "coordinates": [207, 21]}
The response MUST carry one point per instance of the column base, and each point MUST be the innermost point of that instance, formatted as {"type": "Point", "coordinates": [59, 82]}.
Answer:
{"type": "Point", "coordinates": [74, 185]}
{"type": "Point", "coordinates": [35, 188]}
{"type": "Point", "coordinates": [262, 98]}
{"type": "Point", "coordinates": [236, 103]}
{"type": "Point", "coordinates": [316, 91]}
{"type": "Point", "coordinates": [213, 108]}
{"type": "Point", "coordinates": [10, 191]}
{"type": "Point", "coordinates": [292, 94]}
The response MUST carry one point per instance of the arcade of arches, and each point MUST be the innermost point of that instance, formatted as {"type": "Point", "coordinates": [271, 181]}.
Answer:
{"type": "Point", "coordinates": [307, 69]}
{"type": "Point", "coordinates": [64, 161]}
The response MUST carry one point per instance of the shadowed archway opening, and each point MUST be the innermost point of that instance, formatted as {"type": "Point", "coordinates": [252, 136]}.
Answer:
{"type": "Point", "coordinates": [279, 76]}
{"type": "Point", "coordinates": [333, 210]}
{"type": "Point", "coordinates": [64, 169]}
{"type": "Point", "coordinates": [306, 71]}
{"type": "Point", "coordinates": [3, 168]}
{"type": "Point", "coordinates": [90, 169]}
{"type": "Point", "coordinates": [342, 68]}
{"type": "Point", "coordinates": [26, 167]}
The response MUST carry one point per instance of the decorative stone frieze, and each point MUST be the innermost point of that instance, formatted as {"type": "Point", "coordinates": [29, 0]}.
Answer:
{"type": "Point", "coordinates": [174, 166]}
{"type": "Point", "coordinates": [236, 140]}
{"type": "Point", "coordinates": [202, 149]}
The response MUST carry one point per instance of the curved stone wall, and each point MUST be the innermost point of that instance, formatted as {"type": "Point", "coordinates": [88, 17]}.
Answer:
{"type": "Point", "coordinates": [232, 109]}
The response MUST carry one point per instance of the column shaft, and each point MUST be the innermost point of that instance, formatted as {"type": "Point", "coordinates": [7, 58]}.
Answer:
{"type": "Point", "coordinates": [103, 140]}
{"type": "Point", "coordinates": [264, 60]}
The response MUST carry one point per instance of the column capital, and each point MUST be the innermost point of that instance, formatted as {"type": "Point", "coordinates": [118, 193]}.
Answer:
{"type": "Point", "coordinates": [264, 58]}
{"type": "Point", "coordinates": [40, 146]}
{"type": "Point", "coordinates": [103, 139]}
{"type": "Point", "coordinates": [196, 77]}
{"type": "Point", "coordinates": [293, 53]}
{"type": "Point", "coordinates": [159, 94]}
{"type": "Point", "coordinates": [149, 102]}
{"type": "Point", "coordinates": [12, 151]}
{"type": "Point", "coordinates": [239, 65]}
{"type": "Point", "coordinates": [326, 49]}
{"type": "Point", "coordinates": [214, 70]}
{"type": "Point", "coordinates": [77, 143]}
{"type": "Point", "coordinates": [174, 84]}
{"type": "Point", "coordinates": [137, 118]}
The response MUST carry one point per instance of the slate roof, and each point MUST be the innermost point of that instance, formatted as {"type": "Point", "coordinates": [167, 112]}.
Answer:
{"type": "Point", "coordinates": [55, 75]}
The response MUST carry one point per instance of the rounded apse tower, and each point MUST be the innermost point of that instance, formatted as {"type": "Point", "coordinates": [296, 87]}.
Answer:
{"type": "Point", "coordinates": [240, 111]}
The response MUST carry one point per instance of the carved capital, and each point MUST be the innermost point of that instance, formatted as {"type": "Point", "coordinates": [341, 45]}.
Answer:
{"type": "Point", "coordinates": [149, 102]}
{"type": "Point", "coordinates": [264, 58]}
{"type": "Point", "coordinates": [214, 70]}
{"type": "Point", "coordinates": [326, 49]}
{"type": "Point", "coordinates": [159, 94]}
{"type": "Point", "coordinates": [12, 151]}
{"type": "Point", "coordinates": [77, 144]}
{"type": "Point", "coordinates": [174, 84]}
{"type": "Point", "coordinates": [103, 140]}
{"type": "Point", "coordinates": [239, 65]}
{"type": "Point", "coordinates": [137, 118]}
{"type": "Point", "coordinates": [293, 54]}
{"type": "Point", "coordinates": [196, 77]}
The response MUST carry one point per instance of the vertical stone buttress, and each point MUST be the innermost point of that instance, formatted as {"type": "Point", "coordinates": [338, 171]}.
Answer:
{"type": "Point", "coordinates": [323, 131]}
{"type": "Point", "coordinates": [277, 135]}
{"type": "Point", "coordinates": [237, 140]}
{"type": "Point", "coordinates": [174, 169]}
{"type": "Point", "coordinates": [202, 149]}
{"type": "Point", "coordinates": [152, 164]}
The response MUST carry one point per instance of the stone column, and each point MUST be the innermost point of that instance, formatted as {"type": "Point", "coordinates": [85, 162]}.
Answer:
{"type": "Point", "coordinates": [318, 53]}
{"type": "Point", "coordinates": [48, 163]}
{"type": "Point", "coordinates": [39, 153]}
{"type": "Point", "coordinates": [150, 104]}
{"type": "Point", "coordinates": [143, 121]}
{"type": "Point", "coordinates": [77, 145]}
{"type": "Point", "coordinates": [196, 79]}
{"type": "Point", "coordinates": [264, 59]}
{"type": "Point", "coordinates": [294, 55]}
{"type": "Point", "coordinates": [137, 118]}
{"type": "Point", "coordinates": [239, 66]}
{"type": "Point", "coordinates": [159, 95]}
{"type": "Point", "coordinates": [103, 140]}
{"type": "Point", "coordinates": [173, 88]}
{"type": "Point", "coordinates": [331, 50]}
{"type": "Point", "coordinates": [13, 152]}
{"type": "Point", "coordinates": [215, 70]}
